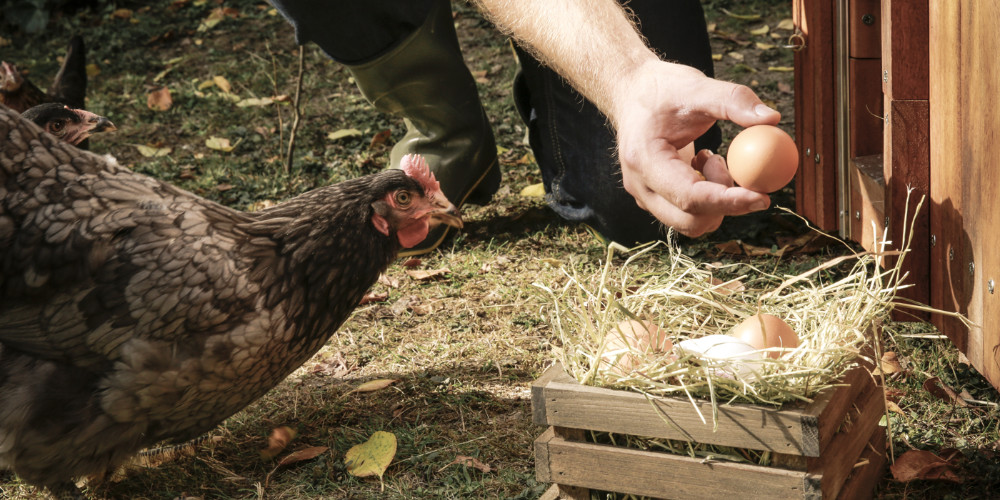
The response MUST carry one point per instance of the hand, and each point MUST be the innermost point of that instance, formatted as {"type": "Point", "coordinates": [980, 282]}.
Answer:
{"type": "Point", "coordinates": [661, 109]}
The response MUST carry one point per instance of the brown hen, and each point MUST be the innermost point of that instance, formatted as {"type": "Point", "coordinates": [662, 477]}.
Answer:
{"type": "Point", "coordinates": [132, 312]}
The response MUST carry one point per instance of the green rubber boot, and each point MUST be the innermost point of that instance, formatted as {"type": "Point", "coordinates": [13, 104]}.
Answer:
{"type": "Point", "coordinates": [425, 80]}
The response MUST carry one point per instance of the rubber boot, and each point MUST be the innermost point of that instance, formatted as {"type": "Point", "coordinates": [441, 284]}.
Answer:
{"type": "Point", "coordinates": [425, 80]}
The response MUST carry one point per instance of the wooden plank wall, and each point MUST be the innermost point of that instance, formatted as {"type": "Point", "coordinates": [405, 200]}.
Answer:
{"type": "Point", "coordinates": [815, 125]}
{"type": "Point", "coordinates": [964, 177]}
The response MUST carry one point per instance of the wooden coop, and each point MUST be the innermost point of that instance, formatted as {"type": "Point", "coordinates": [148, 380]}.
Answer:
{"type": "Point", "coordinates": [894, 95]}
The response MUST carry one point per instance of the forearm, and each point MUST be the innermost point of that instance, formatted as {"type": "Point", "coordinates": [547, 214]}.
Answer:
{"type": "Point", "coordinates": [593, 43]}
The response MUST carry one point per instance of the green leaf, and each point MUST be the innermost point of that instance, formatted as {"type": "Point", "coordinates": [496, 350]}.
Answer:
{"type": "Point", "coordinates": [372, 457]}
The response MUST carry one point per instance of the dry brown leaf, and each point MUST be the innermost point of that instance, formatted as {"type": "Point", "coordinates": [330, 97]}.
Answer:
{"type": "Point", "coordinates": [385, 280]}
{"type": "Point", "coordinates": [920, 464]}
{"type": "Point", "coordinates": [159, 99]}
{"type": "Point", "coordinates": [728, 287]}
{"type": "Point", "coordinates": [784, 87]}
{"type": "Point", "coordinates": [893, 407]}
{"type": "Point", "coordinates": [380, 138]}
{"type": "Point", "coordinates": [941, 390]}
{"type": "Point", "coordinates": [302, 455]}
{"type": "Point", "coordinates": [470, 462]}
{"type": "Point", "coordinates": [732, 247]}
{"type": "Point", "coordinates": [121, 14]}
{"type": "Point", "coordinates": [374, 297]}
{"type": "Point", "coordinates": [756, 251]}
{"type": "Point", "coordinates": [785, 24]}
{"type": "Point", "coordinates": [412, 262]}
{"type": "Point", "coordinates": [225, 186]}
{"type": "Point", "coordinates": [278, 441]}
{"type": "Point", "coordinates": [889, 364]}
{"type": "Point", "coordinates": [373, 385]}
{"type": "Point", "coordinates": [428, 275]}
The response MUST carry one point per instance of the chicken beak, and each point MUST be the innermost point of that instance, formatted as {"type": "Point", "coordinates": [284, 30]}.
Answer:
{"type": "Point", "coordinates": [444, 211]}
{"type": "Point", "coordinates": [94, 123]}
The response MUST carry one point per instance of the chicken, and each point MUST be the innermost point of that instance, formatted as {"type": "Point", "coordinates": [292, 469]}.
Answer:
{"type": "Point", "coordinates": [132, 312]}
{"type": "Point", "coordinates": [68, 87]}
{"type": "Point", "coordinates": [71, 125]}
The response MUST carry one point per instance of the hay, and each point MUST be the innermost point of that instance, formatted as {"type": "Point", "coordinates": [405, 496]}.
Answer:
{"type": "Point", "coordinates": [833, 308]}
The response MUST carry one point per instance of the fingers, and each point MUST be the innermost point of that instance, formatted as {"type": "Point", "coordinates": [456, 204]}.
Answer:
{"type": "Point", "coordinates": [739, 104]}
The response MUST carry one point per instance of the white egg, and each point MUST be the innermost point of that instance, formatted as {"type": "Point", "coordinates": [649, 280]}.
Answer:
{"type": "Point", "coordinates": [726, 355]}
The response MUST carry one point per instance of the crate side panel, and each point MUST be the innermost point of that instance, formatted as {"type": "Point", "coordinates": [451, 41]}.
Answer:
{"type": "Point", "coordinates": [663, 475]}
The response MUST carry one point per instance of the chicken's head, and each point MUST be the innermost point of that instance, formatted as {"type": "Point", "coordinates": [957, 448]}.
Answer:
{"type": "Point", "coordinates": [412, 211]}
{"type": "Point", "coordinates": [70, 125]}
{"type": "Point", "coordinates": [10, 77]}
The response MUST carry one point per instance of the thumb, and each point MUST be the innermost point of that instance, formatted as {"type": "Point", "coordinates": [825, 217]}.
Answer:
{"type": "Point", "coordinates": [745, 109]}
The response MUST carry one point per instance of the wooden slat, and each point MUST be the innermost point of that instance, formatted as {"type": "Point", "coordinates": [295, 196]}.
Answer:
{"type": "Point", "coordinates": [569, 404]}
{"type": "Point", "coordinates": [832, 406]}
{"type": "Point", "coordinates": [905, 48]}
{"type": "Point", "coordinates": [662, 475]}
{"type": "Point", "coordinates": [865, 39]}
{"type": "Point", "coordinates": [838, 459]}
{"type": "Point", "coordinates": [867, 200]}
{"type": "Point", "coordinates": [964, 86]}
{"type": "Point", "coordinates": [860, 484]}
{"type": "Point", "coordinates": [815, 113]}
{"type": "Point", "coordinates": [948, 272]}
{"type": "Point", "coordinates": [865, 105]}
{"type": "Point", "coordinates": [907, 167]}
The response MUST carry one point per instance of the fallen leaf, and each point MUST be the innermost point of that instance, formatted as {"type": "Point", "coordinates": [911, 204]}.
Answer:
{"type": "Point", "coordinates": [302, 455]}
{"type": "Point", "coordinates": [941, 390]}
{"type": "Point", "coordinates": [920, 464]}
{"type": "Point", "coordinates": [278, 441]}
{"type": "Point", "coordinates": [893, 407]}
{"type": "Point", "coordinates": [4, 42]}
{"type": "Point", "coordinates": [159, 99]}
{"type": "Point", "coordinates": [121, 14]}
{"type": "Point", "coordinates": [219, 144]}
{"type": "Point", "coordinates": [764, 46]}
{"type": "Point", "coordinates": [716, 57]}
{"type": "Point", "coordinates": [732, 247]}
{"type": "Point", "coordinates": [785, 24]}
{"type": "Point", "coordinates": [889, 364]}
{"type": "Point", "coordinates": [763, 30]}
{"type": "Point", "coordinates": [728, 287]}
{"type": "Point", "coordinates": [534, 191]}
{"type": "Point", "coordinates": [387, 281]}
{"type": "Point", "coordinates": [756, 251]}
{"type": "Point", "coordinates": [781, 69]}
{"type": "Point", "coordinates": [371, 297]}
{"type": "Point", "coordinates": [373, 385]}
{"type": "Point", "coordinates": [428, 275]}
{"type": "Point", "coordinates": [222, 83]}
{"type": "Point", "coordinates": [225, 186]}
{"type": "Point", "coordinates": [151, 152]}
{"type": "Point", "coordinates": [470, 462]}
{"type": "Point", "coordinates": [93, 70]}
{"type": "Point", "coordinates": [380, 138]}
{"type": "Point", "coordinates": [342, 133]}
{"type": "Point", "coordinates": [216, 16]}
{"type": "Point", "coordinates": [711, 27]}
{"type": "Point", "coordinates": [745, 17]}
{"type": "Point", "coordinates": [371, 457]}
{"type": "Point", "coordinates": [735, 56]}
{"type": "Point", "coordinates": [412, 262]}
{"type": "Point", "coordinates": [552, 262]}
{"type": "Point", "coordinates": [784, 87]}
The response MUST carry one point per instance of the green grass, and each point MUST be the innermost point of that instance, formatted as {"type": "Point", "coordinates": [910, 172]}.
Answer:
{"type": "Point", "coordinates": [464, 349]}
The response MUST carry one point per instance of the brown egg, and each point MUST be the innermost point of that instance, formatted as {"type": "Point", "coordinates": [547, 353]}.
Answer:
{"type": "Point", "coordinates": [762, 158]}
{"type": "Point", "coordinates": [638, 336]}
{"type": "Point", "coordinates": [775, 333]}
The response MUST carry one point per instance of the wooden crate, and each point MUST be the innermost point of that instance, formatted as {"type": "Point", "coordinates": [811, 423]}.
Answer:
{"type": "Point", "coordinates": [832, 448]}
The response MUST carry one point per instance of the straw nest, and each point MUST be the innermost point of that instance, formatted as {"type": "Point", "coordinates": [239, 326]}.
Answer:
{"type": "Point", "coordinates": [832, 307]}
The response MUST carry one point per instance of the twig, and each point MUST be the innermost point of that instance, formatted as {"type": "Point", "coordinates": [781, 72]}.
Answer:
{"type": "Point", "coordinates": [274, 83]}
{"type": "Point", "coordinates": [297, 115]}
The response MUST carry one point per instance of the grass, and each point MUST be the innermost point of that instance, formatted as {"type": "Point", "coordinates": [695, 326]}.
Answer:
{"type": "Point", "coordinates": [465, 348]}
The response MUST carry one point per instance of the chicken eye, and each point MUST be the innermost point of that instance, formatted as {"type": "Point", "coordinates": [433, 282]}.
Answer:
{"type": "Point", "coordinates": [403, 198]}
{"type": "Point", "coordinates": [57, 125]}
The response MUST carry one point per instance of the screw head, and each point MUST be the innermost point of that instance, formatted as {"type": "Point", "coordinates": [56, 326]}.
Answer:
{"type": "Point", "coordinates": [817, 158]}
{"type": "Point", "coordinates": [989, 286]}
{"type": "Point", "coordinates": [809, 152]}
{"type": "Point", "coordinates": [886, 221]}
{"type": "Point", "coordinates": [972, 268]}
{"type": "Point", "coordinates": [885, 75]}
{"type": "Point", "coordinates": [868, 19]}
{"type": "Point", "coordinates": [933, 240]}
{"type": "Point", "coordinates": [951, 254]}
{"type": "Point", "coordinates": [857, 215]}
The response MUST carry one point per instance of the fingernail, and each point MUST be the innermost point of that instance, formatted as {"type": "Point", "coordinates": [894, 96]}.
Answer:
{"type": "Point", "coordinates": [760, 205]}
{"type": "Point", "coordinates": [763, 110]}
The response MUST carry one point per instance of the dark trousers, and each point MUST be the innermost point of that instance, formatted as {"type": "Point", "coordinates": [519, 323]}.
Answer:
{"type": "Point", "coordinates": [572, 142]}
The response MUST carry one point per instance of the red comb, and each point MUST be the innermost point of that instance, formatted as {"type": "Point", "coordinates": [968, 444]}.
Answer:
{"type": "Point", "coordinates": [416, 167]}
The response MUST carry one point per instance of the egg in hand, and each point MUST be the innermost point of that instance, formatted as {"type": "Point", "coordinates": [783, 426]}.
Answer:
{"type": "Point", "coordinates": [762, 158]}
